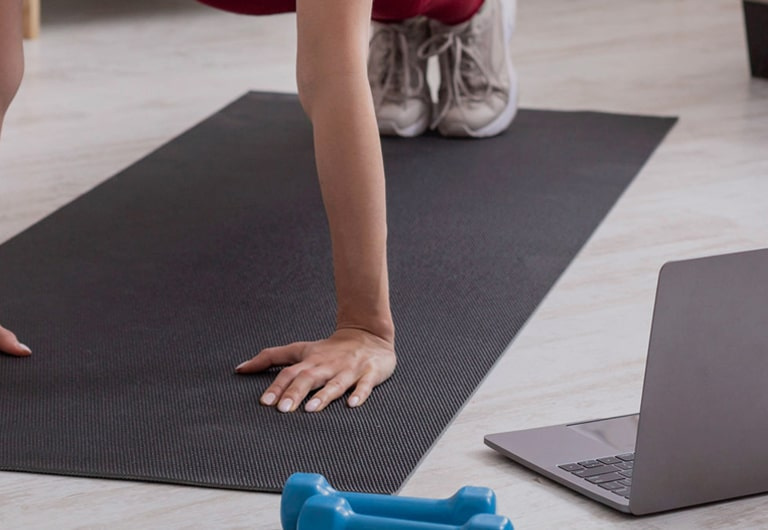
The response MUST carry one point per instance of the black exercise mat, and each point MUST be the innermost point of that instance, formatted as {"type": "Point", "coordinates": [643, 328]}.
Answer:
{"type": "Point", "coordinates": [140, 297]}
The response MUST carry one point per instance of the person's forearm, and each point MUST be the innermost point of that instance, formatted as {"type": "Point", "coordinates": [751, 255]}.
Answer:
{"type": "Point", "coordinates": [351, 173]}
{"type": "Point", "coordinates": [334, 90]}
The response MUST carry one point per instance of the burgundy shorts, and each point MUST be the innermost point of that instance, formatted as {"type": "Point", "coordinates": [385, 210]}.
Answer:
{"type": "Point", "coordinates": [446, 11]}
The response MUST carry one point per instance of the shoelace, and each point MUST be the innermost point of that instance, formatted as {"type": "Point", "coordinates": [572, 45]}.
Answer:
{"type": "Point", "coordinates": [463, 83]}
{"type": "Point", "coordinates": [396, 43]}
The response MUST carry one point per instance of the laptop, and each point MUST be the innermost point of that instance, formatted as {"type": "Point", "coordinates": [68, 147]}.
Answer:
{"type": "Point", "coordinates": [702, 431]}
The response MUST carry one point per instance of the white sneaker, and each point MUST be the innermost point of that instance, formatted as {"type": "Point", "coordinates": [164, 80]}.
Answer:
{"type": "Point", "coordinates": [478, 84]}
{"type": "Point", "coordinates": [397, 76]}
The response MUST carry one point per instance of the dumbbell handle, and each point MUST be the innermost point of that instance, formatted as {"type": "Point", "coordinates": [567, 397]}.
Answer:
{"type": "Point", "coordinates": [332, 512]}
{"type": "Point", "coordinates": [465, 503]}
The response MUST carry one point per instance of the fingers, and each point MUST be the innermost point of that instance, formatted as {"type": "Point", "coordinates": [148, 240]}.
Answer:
{"type": "Point", "coordinates": [294, 383]}
{"type": "Point", "coordinates": [350, 358]}
{"type": "Point", "coordinates": [270, 357]}
{"type": "Point", "coordinates": [333, 390]}
{"type": "Point", "coordinates": [10, 344]}
{"type": "Point", "coordinates": [362, 390]}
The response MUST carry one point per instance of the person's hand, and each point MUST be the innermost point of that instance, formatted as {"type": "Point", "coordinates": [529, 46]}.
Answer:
{"type": "Point", "coordinates": [349, 357]}
{"type": "Point", "coordinates": [10, 344]}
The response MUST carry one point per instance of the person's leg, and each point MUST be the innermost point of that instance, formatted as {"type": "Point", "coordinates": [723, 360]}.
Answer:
{"type": "Point", "coordinates": [11, 53]}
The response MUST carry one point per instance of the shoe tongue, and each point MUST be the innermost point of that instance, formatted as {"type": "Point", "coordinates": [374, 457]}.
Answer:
{"type": "Point", "coordinates": [395, 77]}
{"type": "Point", "coordinates": [473, 75]}
{"type": "Point", "coordinates": [439, 27]}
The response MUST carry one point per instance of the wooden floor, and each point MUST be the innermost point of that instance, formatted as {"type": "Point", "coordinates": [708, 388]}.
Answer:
{"type": "Point", "coordinates": [107, 84]}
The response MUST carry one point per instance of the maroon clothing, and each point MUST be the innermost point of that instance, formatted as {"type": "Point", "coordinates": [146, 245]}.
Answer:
{"type": "Point", "coordinates": [445, 11]}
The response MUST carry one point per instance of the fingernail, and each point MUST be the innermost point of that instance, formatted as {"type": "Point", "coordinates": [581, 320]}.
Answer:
{"type": "Point", "coordinates": [25, 348]}
{"type": "Point", "coordinates": [285, 405]}
{"type": "Point", "coordinates": [312, 405]}
{"type": "Point", "coordinates": [354, 401]}
{"type": "Point", "coordinates": [240, 366]}
{"type": "Point", "coordinates": [268, 399]}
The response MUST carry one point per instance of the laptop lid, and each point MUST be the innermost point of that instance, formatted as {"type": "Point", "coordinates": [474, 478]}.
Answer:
{"type": "Point", "coordinates": [703, 425]}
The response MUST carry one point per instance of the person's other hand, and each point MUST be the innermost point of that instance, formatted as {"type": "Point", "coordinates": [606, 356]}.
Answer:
{"type": "Point", "coordinates": [349, 357]}
{"type": "Point", "coordinates": [10, 344]}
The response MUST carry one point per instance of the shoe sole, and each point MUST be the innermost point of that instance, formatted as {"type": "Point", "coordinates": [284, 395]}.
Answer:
{"type": "Point", "coordinates": [501, 123]}
{"type": "Point", "coordinates": [390, 128]}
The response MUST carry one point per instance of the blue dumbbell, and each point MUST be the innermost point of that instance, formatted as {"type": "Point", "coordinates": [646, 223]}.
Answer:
{"type": "Point", "coordinates": [456, 510]}
{"type": "Point", "coordinates": [331, 512]}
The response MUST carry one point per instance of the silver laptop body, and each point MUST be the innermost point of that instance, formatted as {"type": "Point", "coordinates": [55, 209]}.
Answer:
{"type": "Point", "coordinates": [702, 432]}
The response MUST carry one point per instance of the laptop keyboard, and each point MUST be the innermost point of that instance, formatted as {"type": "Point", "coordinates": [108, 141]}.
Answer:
{"type": "Point", "coordinates": [613, 473]}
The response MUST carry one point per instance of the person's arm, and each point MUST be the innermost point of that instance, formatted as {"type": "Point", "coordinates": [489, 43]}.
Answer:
{"type": "Point", "coordinates": [334, 91]}
{"type": "Point", "coordinates": [11, 70]}
{"type": "Point", "coordinates": [11, 53]}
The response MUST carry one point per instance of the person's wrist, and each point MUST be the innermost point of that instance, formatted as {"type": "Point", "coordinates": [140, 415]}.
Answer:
{"type": "Point", "coordinates": [382, 327]}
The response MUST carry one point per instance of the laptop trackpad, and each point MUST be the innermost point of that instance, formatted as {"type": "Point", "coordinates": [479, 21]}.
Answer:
{"type": "Point", "coordinates": [619, 433]}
